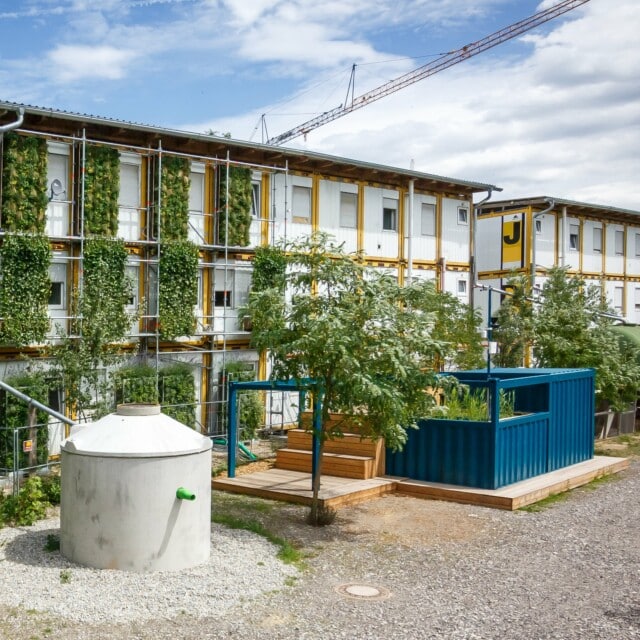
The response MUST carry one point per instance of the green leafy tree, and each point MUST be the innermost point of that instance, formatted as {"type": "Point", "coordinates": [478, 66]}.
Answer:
{"type": "Point", "coordinates": [455, 325]}
{"type": "Point", "coordinates": [350, 329]}
{"type": "Point", "coordinates": [572, 328]}
{"type": "Point", "coordinates": [515, 323]}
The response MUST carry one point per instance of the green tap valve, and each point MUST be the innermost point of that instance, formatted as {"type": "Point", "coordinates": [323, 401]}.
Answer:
{"type": "Point", "coordinates": [185, 494]}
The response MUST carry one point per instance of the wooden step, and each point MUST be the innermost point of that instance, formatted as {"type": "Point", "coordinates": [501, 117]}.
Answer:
{"type": "Point", "coordinates": [333, 464]}
{"type": "Point", "coordinates": [351, 443]}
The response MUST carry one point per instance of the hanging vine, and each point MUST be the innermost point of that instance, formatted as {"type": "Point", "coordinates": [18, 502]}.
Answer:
{"type": "Point", "coordinates": [178, 288]}
{"type": "Point", "coordinates": [175, 184]}
{"type": "Point", "coordinates": [24, 289]}
{"type": "Point", "coordinates": [101, 190]}
{"type": "Point", "coordinates": [24, 183]}
{"type": "Point", "coordinates": [234, 230]}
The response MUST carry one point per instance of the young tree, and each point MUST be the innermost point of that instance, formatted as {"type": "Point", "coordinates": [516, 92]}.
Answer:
{"type": "Point", "coordinates": [514, 320]}
{"type": "Point", "coordinates": [352, 331]}
{"type": "Point", "coordinates": [572, 328]}
{"type": "Point", "coordinates": [455, 324]}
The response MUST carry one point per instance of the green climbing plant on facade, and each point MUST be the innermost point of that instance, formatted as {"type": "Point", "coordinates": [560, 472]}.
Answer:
{"type": "Point", "coordinates": [174, 198]}
{"type": "Point", "coordinates": [172, 386]}
{"type": "Point", "coordinates": [178, 288]}
{"type": "Point", "coordinates": [24, 289]}
{"type": "Point", "coordinates": [24, 183]}
{"type": "Point", "coordinates": [101, 190]}
{"type": "Point", "coordinates": [101, 322]}
{"type": "Point", "coordinates": [234, 206]}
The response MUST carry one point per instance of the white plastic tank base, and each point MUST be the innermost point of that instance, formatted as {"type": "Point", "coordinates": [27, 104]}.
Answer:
{"type": "Point", "coordinates": [119, 508]}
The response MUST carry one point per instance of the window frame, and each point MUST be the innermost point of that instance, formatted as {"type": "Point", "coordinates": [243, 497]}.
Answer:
{"type": "Point", "coordinates": [342, 212]}
{"type": "Point", "coordinates": [597, 249]}
{"type": "Point", "coordinates": [431, 225]}
{"type": "Point", "coordinates": [296, 217]}
{"type": "Point", "coordinates": [392, 213]}
{"type": "Point", "coordinates": [618, 242]}
{"type": "Point", "coordinates": [463, 215]}
{"type": "Point", "coordinates": [574, 245]}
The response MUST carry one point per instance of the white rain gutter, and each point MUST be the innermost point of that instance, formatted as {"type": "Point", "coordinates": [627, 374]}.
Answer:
{"type": "Point", "coordinates": [13, 125]}
{"type": "Point", "coordinates": [409, 234]}
{"type": "Point", "coordinates": [551, 203]}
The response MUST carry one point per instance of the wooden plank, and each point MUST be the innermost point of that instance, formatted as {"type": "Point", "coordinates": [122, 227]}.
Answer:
{"type": "Point", "coordinates": [336, 464]}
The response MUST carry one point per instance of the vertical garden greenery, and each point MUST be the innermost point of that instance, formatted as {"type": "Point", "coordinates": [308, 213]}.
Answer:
{"type": "Point", "coordinates": [174, 192]}
{"type": "Point", "coordinates": [234, 230]}
{"type": "Point", "coordinates": [14, 414]}
{"type": "Point", "coordinates": [101, 190]}
{"type": "Point", "coordinates": [101, 322]}
{"type": "Point", "coordinates": [24, 183]}
{"type": "Point", "coordinates": [178, 288]}
{"type": "Point", "coordinates": [172, 386]}
{"type": "Point", "coordinates": [24, 289]}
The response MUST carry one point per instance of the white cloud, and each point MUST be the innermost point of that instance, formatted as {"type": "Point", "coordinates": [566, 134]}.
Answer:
{"type": "Point", "coordinates": [74, 63]}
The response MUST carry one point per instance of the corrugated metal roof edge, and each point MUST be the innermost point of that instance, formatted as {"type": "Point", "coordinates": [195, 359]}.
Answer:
{"type": "Point", "coordinates": [543, 200]}
{"type": "Point", "coordinates": [70, 115]}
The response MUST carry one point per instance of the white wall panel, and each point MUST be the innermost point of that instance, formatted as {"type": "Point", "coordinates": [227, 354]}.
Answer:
{"type": "Point", "coordinates": [455, 236]}
{"type": "Point", "coordinates": [378, 242]}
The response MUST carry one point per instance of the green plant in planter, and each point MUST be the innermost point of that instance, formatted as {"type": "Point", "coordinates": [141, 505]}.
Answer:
{"type": "Point", "coordinates": [460, 402]}
{"type": "Point", "coordinates": [178, 392]}
{"type": "Point", "coordinates": [178, 288]}
{"type": "Point", "coordinates": [101, 190]}
{"type": "Point", "coordinates": [16, 414]}
{"type": "Point", "coordinates": [24, 289]}
{"type": "Point", "coordinates": [24, 183]}
{"type": "Point", "coordinates": [175, 184]}
{"type": "Point", "coordinates": [234, 206]}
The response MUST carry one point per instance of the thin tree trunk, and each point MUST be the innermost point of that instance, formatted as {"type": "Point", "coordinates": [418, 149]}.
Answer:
{"type": "Point", "coordinates": [315, 500]}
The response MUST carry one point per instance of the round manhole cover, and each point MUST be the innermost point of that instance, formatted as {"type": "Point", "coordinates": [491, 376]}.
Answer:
{"type": "Point", "coordinates": [362, 591]}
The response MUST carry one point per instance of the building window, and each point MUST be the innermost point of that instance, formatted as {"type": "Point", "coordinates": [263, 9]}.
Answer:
{"type": "Point", "coordinates": [224, 286]}
{"type": "Point", "coordinates": [428, 219]}
{"type": "Point", "coordinates": [301, 204]}
{"type": "Point", "coordinates": [57, 291]}
{"type": "Point", "coordinates": [636, 300]}
{"type": "Point", "coordinates": [129, 198]}
{"type": "Point", "coordinates": [597, 239]}
{"type": "Point", "coordinates": [619, 243]}
{"type": "Point", "coordinates": [57, 222]}
{"type": "Point", "coordinates": [389, 214]}
{"type": "Point", "coordinates": [196, 204]}
{"type": "Point", "coordinates": [574, 237]}
{"type": "Point", "coordinates": [255, 199]}
{"type": "Point", "coordinates": [463, 215]}
{"type": "Point", "coordinates": [348, 210]}
{"type": "Point", "coordinates": [133, 277]}
{"type": "Point", "coordinates": [637, 245]}
{"type": "Point", "coordinates": [538, 226]}
{"type": "Point", "coordinates": [462, 287]}
{"type": "Point", "coordinates": [618, 294]}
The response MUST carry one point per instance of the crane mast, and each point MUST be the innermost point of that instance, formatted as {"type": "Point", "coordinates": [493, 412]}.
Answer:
{"type": "Point", "coordinates": [429, 69]}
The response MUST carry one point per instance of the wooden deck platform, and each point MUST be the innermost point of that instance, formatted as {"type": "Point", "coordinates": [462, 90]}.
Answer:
{"type": "Point", "coordinates": [294, 486]}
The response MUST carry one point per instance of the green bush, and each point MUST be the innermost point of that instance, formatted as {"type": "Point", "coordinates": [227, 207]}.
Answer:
{"type": "Point", "coordinates": [176, 181]}
{"type": "Point", "coordinates": [136, 384]}
{"type": "Point", "coordinates": [177, 393]}
{"type": "Point", "coordinates": [27, 507]}
{"type": "Point", "coordinates": [14, 414]}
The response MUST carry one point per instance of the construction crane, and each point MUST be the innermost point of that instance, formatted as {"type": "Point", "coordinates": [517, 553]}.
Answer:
{"type": "Point", "coordinates": [429, 69]}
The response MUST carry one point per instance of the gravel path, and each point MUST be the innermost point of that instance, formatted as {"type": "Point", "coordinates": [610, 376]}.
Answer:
{"type": "Point", "coordinates": [449, 572]}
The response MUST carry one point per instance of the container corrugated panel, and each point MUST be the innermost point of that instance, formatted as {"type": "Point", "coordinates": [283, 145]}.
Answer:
{"type": "Point", "coordinates": [448, 451]}
{"type": "Point", "coordinates": [571, 438]}
{"type": "Point", "coordinates": [558, 433]}
{"type": "Point", "coordinates": [521, 449]}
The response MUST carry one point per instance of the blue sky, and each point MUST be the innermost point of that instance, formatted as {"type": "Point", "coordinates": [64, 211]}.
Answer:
{"type": "Point", "coordinates": [555, 112]}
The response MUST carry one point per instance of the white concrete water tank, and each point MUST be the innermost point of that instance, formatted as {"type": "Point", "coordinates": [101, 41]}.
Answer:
{"type": "Point", "coordinates": [121, 507]}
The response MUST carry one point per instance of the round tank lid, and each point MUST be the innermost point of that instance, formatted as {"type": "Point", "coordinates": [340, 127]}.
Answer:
{"type": "Point", "coordinates": [136, 431]}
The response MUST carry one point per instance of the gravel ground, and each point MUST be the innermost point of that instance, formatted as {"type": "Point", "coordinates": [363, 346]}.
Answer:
{"type": "Point", "coordinates": [448, 571]}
